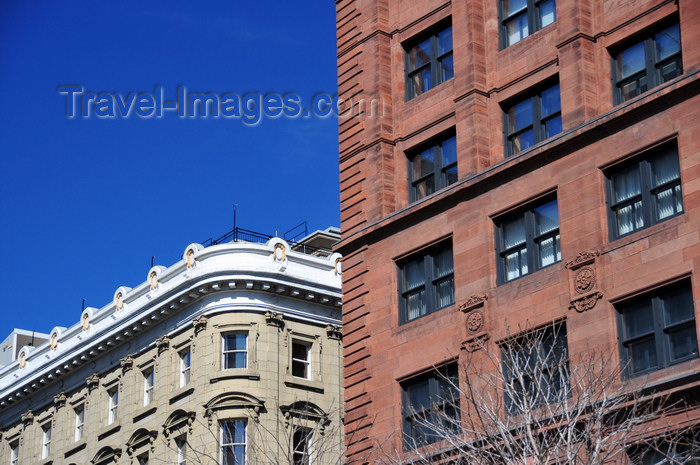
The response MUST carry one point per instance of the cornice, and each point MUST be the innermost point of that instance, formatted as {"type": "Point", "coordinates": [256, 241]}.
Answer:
{"type": "Point", "coordinates": [247, 268]}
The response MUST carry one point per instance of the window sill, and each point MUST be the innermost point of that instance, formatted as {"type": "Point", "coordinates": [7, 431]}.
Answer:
{"type": "Point", "coordinates": [240, 373]}
{"type": "Point", "coordinates": [180, 393]}
{"type": "Point", "coordinates": [78, 446]}
{"type": "Point", "coordinates": [636, 236]}
{"type": "Point", "coordinates": [301, 383]}
{"type": "Point", "coordinates": [108, 430]}
{"type": "Point", "coordinates": [144, 412]}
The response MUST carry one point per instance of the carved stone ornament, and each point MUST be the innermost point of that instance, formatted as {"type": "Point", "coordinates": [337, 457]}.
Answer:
{"type": "Point", "coordinates": [200, 324]}
{"type": "Point", "coordinates": [476, 300]}
{"type": "Point", "coordinates": [22, 361]}
{"type": "Point", "coordinates": [153, 280]}
{"type": "Point", "coordinates": [93, 381]}
{"type": "Point", "coordinates": [334, 332]}
{"type": "Point", "coordinates": [27, 418]}
{"type": "Point", "coordinates": [54, 340]}
{"type": "Point", "coordinates": [86, 322]}
{"type": "Point", "coordinates": [475, 343]}
{"type": "Point", "coordinates": [584, 280]}
{"type": "Point", "coordinates": [583, 258]}
{"type": "Point", "coordinates": [190, 258]}
{"type": "Point", "coordinates": [274, 319]}
{"type": "Point", "coordinates": [59, 400]}
{"type": "Point", "coordinates": [127, 363]}
{"type": "Point", "coordinates": [586, 302]}
{"type": "Point", "coordinates": [162, 343]}
{"type": "Point", "coordinates": [118, 304]}
{"type": "Point", "coordinates": [475, 321]}
{"type": "Point", "coordinates": [279, 252]}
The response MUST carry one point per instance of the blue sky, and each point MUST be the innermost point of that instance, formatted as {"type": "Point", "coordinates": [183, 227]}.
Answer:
{"type": "Point", "coordinates": [86, 202]}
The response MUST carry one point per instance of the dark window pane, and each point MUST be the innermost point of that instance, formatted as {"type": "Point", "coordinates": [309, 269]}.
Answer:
{"type": "Point", "coordinates": [514, 232]}
{"type": "Point", "coordinates": [300, 351]}
{"type": "Point", "coordinates": [520, 115]}
{"type": "Point", "coordinates": [419, 55]}
{"type": "Point", "coordinates": [639, 320]}
{"type": "Point", "coordinates": [547, 13]}
{"type": "Point", "coordinates": [678, 306]}
{"type": "Point", "coordinates": [422, 81]}
{"type": "Point", "coordinates": [423, 163]}
{"type": "Point", "coordinates": [415, 303]}
{"type": "Point", "coordinates": [551, 102]}
{"type": "Point", "coordinates": [552, 127]}
{"type": "Point", "coordinates": [670, 70]}
{"type": "Point", "coordinates": [642, 355]}
{"type": "Point", "coordinates": [517, 28]}
{"type": "Point", "coordinates": [415, 274]}
{"type": "Point", "coordinates": [445, 292]}
{"type": "Point", "coordinates": [449, 151]}
{"type": "Point", "coordinates": [429, 63]}
{"type": "Point", "coordinates": [546, 217]}
{"type": "Point", "coordinates": [668, 42]}
{"type": "Point", "coordinates": [513, 6]}
{"type": "Point", "coordinates": [631, 61]}
{"type": "Point", "coordinates": [447, 67]}
{"type": "Point", "coordinates": [444, 41]}
{"type": "Point", "coordinates": [427, 283]}
{"type": "Point", "coordinates": [626, 184]}
{"type": "Point", "coordinates": [683, 342]}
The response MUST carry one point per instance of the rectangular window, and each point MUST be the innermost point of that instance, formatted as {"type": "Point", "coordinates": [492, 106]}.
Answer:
{"type": "Point", "coordinates": [528, 240]}
{"type": "Point", "coordinates": [645, 191]}
{"type": "Point", "coordinates": [235, 350]}
{"type": "Point", "coordinates": [14, 453]}
{"type": "Point", "coordinates": [647, 63]}
{"type": "Point", "coordinates": [46, 440]}
{"type": "Point", "coordinates": [533, 119]}
{"type": "Point", "coordinates": [301, 439]}
{"type": "Point", "coordinates": [79, 422]}
{"type": "Point", "coordinates": [429, 62]}
{"type": "Point", "coordinates": [535, 369]}
{"type": "Point", "coordinates": [113, 395]}
{"type": "Point", "coordinates": [657, 329]}
{"type": "Point", "coordinates": [433, 168]}
{"type": "Point", "coordinates": [681, 449]}
{"type": "Point", "coordinates": [148, 384]}
{"type": "Point", "coordinates": [426, 282]}
{"type": "Point", "coordinates": [181, 444]}
{"type": "Point", "coordinates": [520, 18]}
{"type": "Point", "coordinates": [185, 366]}
{"type": "Point", "coordinates": [430, 407]}
{"type": "Point", "coordinates": [233, 442]}
{"type": "Point", "coordinates": [142, 459]}
{"type": "Point", "coordinates": [301, 359]}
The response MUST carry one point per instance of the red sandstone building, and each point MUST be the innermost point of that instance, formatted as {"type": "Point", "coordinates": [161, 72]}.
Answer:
{"type": "Point", "coordinates": [534, 162]}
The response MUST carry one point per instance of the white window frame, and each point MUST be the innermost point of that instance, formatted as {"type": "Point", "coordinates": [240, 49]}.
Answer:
{"type": "Point", "coordinates": [46, 431]}
{"type": "Point", "coordinates": [185, 367]}
{"type": "Point", "coordinates": [113, 410]}
{"type": "Point", "coordinates": [79, 422]}
{"type": "Point", "coordinates": [305, 362]}
{"type": "Point", "coordinates": [223, 444]}
{"type": "Point", "coordinates": [149, 381]}
{"type": "Point", "coordinates": [225, 351]}
{"type": "Point", "coordinates": [14, 453]}
{"type": "Point", "coordinates": [305, 451]}
{"type": "Point", "coordinates": [181, 444]}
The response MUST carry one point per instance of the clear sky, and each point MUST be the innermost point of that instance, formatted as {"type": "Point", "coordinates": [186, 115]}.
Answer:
{"type": "Point", "coordinates": [86, 201]}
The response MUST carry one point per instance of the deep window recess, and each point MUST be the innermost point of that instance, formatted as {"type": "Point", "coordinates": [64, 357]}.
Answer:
{"type": "Point", "coordinates": [533, 119]}
{"type": "Point", "coordinates": [46, 441]}
{"type": "Point", "coordinates": [430, 407]}
{"type": "Point", "coordinates": [528, 240]}
{"type": "Point", "coordinates": [520, 18]}
{"type": "Point", "coordinates": [432, 168]}
{"type": "Point", "coordinates": [301, 359]}
{"type": "Point", "coordinates": [426, 282]}
{"type": "Point", "coordinates": [647, 63]}
{"type": "Point", "coordinates": [113, 395]}
{"type": "Point", "coordinates": [79, 422]}
{"type": "Point", "coordinates": [535, 369]}
{"type": "Point", "coordinates": [645, 191]}
{"type": "Point", "coordinates": [429, 62]}
{"type": "Point", "coordinates": [658, 329]}
{"type": "Point", "coordinates": [148, 385]}
{"type": "Point", "coordinates": [233, 442]}
{"type": "Point", "coordinates": [235, 350]}
{"type": "Point", "coordinates": [301, 438]}
{"type": "Point", "coordinates": [185, 366]}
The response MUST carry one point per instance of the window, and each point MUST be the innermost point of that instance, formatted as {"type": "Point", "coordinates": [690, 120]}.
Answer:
{"type": "Point", "coordinates": [433, 168]}
{"type": "Point", "coordinates": [426, 282]}
{"type": "Point", "coordinates": [301, 439]}
{"type": "Point", "coordinates": [14, 453]}
{"type": "Point", "coordinates": [535, 369]}
{"type": "Point", "coordinates": [658, 329]}
{"type": "Point", "coordinates": [645, 191]}
{"type": "Point", "coordinates": [235, 350]}
{"type": "Point", "coordinates": [113, 395]}
{"type": "Point", "coordinates": [680, 450]}
{"type": "Point", "coordinates": [301, 359]}
{"type": "Point", "coordinates": [233, 442]}
{"type": "Point", "coordinates": [429, 62]}
{"type": "Point", "coordinates": [520, 18]}
{"type": "Point", "coordinates": [528, 240]}
{"type": "Point", "coordinates": [185, 366]}
{"type": "Point", "coordinates": [79, 422]}
{"type": "Point", "coordinates": [148, 383]}
{"type": "Point", "coordinates": [647, 63]}
{"type": "Point", "coordinates": [428, 401]}
{"type": "Point", "coordinates": [181, 444]}
{"type": "Point", "coordinates": [45, 440]}
{"type": "Point", "coordinates": [142, 459]}
{"type": "Point", "coordinates": [533, 119]}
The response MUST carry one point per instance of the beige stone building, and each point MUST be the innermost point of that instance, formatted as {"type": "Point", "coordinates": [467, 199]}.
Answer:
{"type": "Point", "coordinates": [230, 356]}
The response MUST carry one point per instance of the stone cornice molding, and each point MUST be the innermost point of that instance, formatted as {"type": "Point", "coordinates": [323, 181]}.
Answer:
{"type": "Point", "coordinates": [231, 268]}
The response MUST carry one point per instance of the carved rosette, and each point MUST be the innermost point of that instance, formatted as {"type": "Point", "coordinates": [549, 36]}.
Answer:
{"type": "Point", "coordinates": [200, 324]}
{"type": "Point", "coordinates": [475, 320]}
{"type": "Point", "coordinates": [274, 319]}
{"type": "Point", "coordinates": [583, 281]}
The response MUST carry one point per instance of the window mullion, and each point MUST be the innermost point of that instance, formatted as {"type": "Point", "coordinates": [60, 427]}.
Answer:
{"type": "Point", "coordinates": [648, 203]}
{"type": "Point", "coordinates": [434, 60]}
{"type": "Point", "coordinates": [530, 241]}
{"type": "Point", "coordinates": [440, 181]}
{"type": "Point", "coordinates": [650, 58]}
{"type": "Point", "coordinates": [657, 308]}
{"type": "Point", "coordinates": [430, 303]}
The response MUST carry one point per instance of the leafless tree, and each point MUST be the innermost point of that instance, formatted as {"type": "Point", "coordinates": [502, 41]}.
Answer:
{"type": "Point", "coordinates": [524, 401]}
